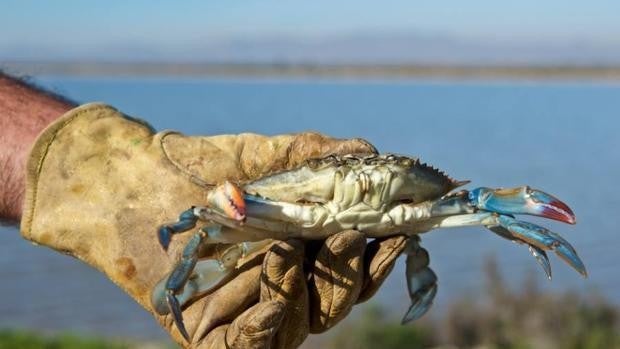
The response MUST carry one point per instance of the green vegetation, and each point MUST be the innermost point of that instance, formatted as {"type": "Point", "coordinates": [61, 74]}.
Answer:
{"type": "Point", "coordinates": [375, 330]}
{"type": "Point", "coordinates": [10, 339]}
{"type": "Point", "coordinates": [504, 318]}
{"type": "Point", "coordinates": [21, 339]}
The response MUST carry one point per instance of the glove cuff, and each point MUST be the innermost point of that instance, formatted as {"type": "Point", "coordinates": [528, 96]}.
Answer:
{"type": "Point", "coordinates": [93, 191]}
{"type": "Point", "coordinates": [40, 149]}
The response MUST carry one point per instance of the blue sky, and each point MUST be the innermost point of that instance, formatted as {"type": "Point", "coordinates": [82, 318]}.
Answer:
{"type": "Point", "coordinates": [37, 26]}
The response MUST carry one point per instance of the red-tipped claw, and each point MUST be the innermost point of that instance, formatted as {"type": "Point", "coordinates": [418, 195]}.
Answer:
{"type": "Point", "coordinates": [551, 207]}
{"type": "Point", "coordinates": [228, 198]}
{"type": "Point", "coordinates": [522, 200]}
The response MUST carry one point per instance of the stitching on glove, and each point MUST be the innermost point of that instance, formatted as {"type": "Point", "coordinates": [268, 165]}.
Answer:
{"type": "Point", "coordinates": [371, 147]}
{"type": "Point", "coordinates": [192, 177]}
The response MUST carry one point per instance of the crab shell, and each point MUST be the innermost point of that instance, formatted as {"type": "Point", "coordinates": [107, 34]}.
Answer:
{"type": "Point", "coordinates": [377, 180]}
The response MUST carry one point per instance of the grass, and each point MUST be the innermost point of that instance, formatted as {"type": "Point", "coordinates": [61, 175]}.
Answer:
{"type": "Point", "coordinates": [11, 339]}
{"type": "Point", "coordinates": [23, 339]}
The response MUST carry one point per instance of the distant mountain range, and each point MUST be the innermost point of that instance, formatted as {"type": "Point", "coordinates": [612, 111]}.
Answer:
{"type": "Point", "coordinates": [381, 48]}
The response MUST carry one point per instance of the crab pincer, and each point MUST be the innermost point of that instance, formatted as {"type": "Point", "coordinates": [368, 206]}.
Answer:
{"type": "Point", "coordinates": [228, 199]}
{"type": "Point", "coordinates": [525, 200]}
{"type": "Point", "coordinates": [522, 200]}
{"type": "Point", "coordinates": [544, 239]}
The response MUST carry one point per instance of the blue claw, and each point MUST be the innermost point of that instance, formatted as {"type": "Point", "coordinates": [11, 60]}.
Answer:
{"type": "Point", "coordinates": [522, 200]}
{"type": "Point", "coordinates": [178, 279]}
{"type": "Point", "coordinates": [539, 254]}
{"type": "Point", "coordinates": [177, 315]}
{"type": "Point", "coordinates": [569, 255]}
{"type": "Point", "coordinates": [544, 239]}
{"type": "Point", "coordinates": [542, 259]}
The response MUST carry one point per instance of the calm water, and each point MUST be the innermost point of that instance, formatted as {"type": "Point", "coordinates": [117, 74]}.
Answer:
{"type": "Point", "coordinates": [562, 138]}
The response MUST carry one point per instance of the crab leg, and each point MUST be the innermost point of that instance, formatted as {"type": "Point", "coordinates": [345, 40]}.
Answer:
{"type": "Point", "coordinates": [191, 276]}
{"type": "Point", "coordinates": [531, 234]}
{"type": "Point", "coordinates": [227, 197]}
{"type": "Point", "coordinates": [179, 276]}
{"type": "Point", "coordinates": [206, 275]}
{"type": "Point", "coordinates": [421, 280]}
{"type": "Point", "coordinates": [494, 208]}
{"type": "Point", "coordinates": [187, 220]}
{"type": "Point", "coordinates": [265, 218]}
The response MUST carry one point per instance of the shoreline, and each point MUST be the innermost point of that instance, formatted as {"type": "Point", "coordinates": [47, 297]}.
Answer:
{"type": "Point", "coordinates": [304, 70]}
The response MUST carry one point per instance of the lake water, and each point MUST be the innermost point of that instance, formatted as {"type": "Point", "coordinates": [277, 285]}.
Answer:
{"type": "Point", "coordinates": [563, 138]}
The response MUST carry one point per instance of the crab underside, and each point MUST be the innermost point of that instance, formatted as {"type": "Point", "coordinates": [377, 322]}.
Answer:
{"type": "Point", "coordinates": [379, 195]}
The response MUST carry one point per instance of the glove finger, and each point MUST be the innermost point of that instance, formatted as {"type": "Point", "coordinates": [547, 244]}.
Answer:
{"type": "Point", "coordinates": [283, 280]}
{"type": "Point", "coordinates": [216, 339]}
{"type": "Point", "coordinates": [379, 260]}
{"type": "Point", "coordinates": [226, 302]}
{"type": "Point", "coordinates": [336, 279]}
{"type": "Point", "coordinates": [254, 328]}
{"type": "Point", "coordinates": [247, 156]}
{"type": "Point", "coordinates": [311, 145]}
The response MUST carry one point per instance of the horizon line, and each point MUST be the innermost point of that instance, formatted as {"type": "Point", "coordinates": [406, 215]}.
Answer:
{"type": "Point", "coordinates": [286, 69]}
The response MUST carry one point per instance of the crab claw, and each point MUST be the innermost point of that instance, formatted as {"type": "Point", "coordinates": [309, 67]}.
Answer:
{"type": "Point", "coordinates": [543, 239]}
{"type": "Point", "coordinates": [522, 200]}
{"type": "Point", "coordinates": [228, 198]}
{"type": "Point", "coordinates": [538, 253]}
{"type": "Point", "coordinates": [542, 259]}
{"type": "Point", "coordinates": [177, 315]}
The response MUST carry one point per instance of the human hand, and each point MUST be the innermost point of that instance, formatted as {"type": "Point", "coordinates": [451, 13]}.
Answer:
{"type": "Point", "coordinates": [98, 185]}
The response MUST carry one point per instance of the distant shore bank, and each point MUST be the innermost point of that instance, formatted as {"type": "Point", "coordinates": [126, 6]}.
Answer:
{"type": "Point", "coordinates": [300, 70]}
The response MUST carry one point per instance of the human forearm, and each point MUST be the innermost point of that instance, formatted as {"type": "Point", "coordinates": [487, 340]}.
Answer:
{"type": "Point", "coordinates": [24, 111]}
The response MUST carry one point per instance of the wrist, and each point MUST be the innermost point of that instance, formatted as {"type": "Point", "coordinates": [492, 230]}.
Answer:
{"type": "Point", "coordinates": [25, 110]}
{"type": "Point", "coordinates": [13, 159]}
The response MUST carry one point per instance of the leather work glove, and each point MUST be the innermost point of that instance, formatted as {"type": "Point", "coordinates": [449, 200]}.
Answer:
{"type": "Point", "coordinates": [99, 184]}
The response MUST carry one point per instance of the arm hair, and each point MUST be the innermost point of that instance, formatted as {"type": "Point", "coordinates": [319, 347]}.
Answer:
{"type": "Point", "coordinates": [25, 110]}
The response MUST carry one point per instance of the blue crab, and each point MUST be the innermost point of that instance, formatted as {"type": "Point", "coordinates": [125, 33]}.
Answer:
{"type": "Point", "coordinates": [379, 195]}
